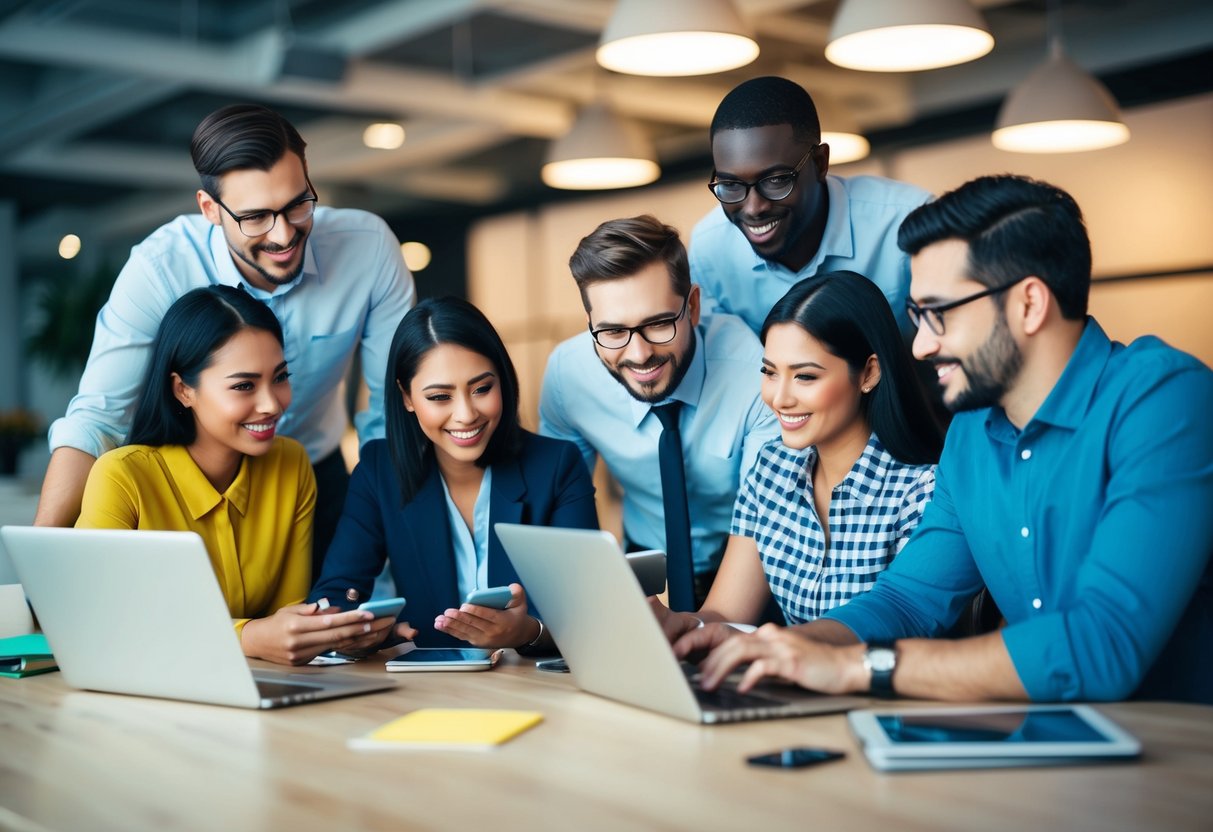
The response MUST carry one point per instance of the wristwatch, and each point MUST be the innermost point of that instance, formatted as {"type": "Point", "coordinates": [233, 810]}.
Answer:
{"type": "Point", "coordinates": [881, 660]}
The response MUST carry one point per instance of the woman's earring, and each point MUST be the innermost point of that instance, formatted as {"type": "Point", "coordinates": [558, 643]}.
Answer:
{"type": "Point", "coordinates": [867, 389]}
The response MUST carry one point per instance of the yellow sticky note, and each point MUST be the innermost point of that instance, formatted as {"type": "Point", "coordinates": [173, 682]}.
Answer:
{"type": "Point", "coordinates": [441, 728]}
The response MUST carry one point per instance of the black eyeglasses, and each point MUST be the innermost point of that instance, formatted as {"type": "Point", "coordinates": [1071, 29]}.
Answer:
{"type": "Point", "coordinates": [932, 314]}
{"type": "Point", "coordinates": [775, 187]}
{"type": "Point", "coordinates": [657, 332]}
{"type": "Point", "coordinates": [263, 222]}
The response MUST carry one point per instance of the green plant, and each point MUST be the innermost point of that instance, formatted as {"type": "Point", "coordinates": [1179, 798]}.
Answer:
{"type": "Point", "coordinates": [68, 308]}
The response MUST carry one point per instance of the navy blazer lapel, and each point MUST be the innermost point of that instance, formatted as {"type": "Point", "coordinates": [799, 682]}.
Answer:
{"type": "Point", "coordinates": [427, 522]}
{"type": "Point", "coordinates": [506, 505]}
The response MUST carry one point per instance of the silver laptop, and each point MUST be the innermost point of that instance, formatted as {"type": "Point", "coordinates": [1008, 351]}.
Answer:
{"type": "Point", "coordinates": [581, 583]}
{"type": "Point", "coordinates": [140, 612]}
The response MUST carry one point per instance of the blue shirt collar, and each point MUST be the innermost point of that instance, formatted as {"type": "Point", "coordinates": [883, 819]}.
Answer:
{"type": "Point", "coordinates": [863, 482]}
{"type": "Point", "coordinates": [1068, 401]}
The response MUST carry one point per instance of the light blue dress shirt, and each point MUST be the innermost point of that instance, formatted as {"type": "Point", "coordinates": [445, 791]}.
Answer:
{"type": "Point", "coordinates": [723, 423]}
{"type": "Point", "coordinates": [353, 291]}
{"type": "Point", "coordinates": [471, 546]}
{"type": "Point", "coordinates": [1092, 528]}
{"type": "Point", "coordinates": [860, 235]}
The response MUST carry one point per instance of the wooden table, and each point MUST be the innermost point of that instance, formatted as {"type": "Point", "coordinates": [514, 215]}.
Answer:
{"type": "Point", "coordinates": [71, 760]}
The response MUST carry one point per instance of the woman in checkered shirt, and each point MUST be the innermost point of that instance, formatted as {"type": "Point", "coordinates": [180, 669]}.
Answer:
{"type": "Point", "coordinates": [829, 503]}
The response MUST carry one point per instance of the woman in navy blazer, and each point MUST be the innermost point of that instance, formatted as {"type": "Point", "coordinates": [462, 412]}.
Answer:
{"type": "Point", "coordinates": [455, 462]}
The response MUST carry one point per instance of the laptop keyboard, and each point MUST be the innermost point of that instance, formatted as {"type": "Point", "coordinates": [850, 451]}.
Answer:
{"type": "Point", "coordinates": [727, 699]}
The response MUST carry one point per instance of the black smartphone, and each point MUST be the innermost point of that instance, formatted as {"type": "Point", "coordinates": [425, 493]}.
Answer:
{"type": "Point", "coordinates": [553, 665]}
{"type": "Point", "coordinates": [795, 757]}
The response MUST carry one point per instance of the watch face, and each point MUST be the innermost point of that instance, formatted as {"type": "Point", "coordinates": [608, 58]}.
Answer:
{"type": "Point", "coordinates": [881, 659]}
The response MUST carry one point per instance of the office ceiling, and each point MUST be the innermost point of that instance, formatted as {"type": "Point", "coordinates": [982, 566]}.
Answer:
{"type": "Point", "coordinates": [99, 97]}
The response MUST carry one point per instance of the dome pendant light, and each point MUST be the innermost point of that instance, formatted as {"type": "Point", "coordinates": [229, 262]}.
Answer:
{"type": "Point", "coordinates": [906, 35]}
{"type": "Point", "coordinates": [601, 151]}
{"type": "Point", "coordinates": [675, 37]}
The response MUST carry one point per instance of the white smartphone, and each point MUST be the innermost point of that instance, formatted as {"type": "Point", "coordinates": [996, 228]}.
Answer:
{"type": "Point", "coordinates": [443, 658]}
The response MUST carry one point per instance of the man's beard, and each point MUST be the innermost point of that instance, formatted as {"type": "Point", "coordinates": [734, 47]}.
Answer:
{"type": "Point", "coordinates": [649, 394]}
{"type": "Point", "coordinates": [990, 371]}
{"type": "Point", "coordinates": [300, 239]}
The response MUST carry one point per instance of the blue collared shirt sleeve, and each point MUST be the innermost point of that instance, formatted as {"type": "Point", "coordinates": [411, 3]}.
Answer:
{"type": "Point", "coordinates": [1151, 543]}
{"type": "Point", "coordinates": [393, 295]}
{"type": "Point", "coordinates": [926, 587]}
{"type": "Point", "coordinates": [99, 415]}
{"type": "Point", "coordinates": [553, 415]}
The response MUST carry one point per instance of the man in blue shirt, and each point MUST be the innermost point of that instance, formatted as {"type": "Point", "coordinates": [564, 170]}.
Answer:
{"type": "Point", "coordinates": [1076, 484]}
{"type": "Point", "coordinates": [334, 278]}
{"type": "Point", "coordinates": [782, 217]}
{"type": "Point", "coordinates": [647, 346]}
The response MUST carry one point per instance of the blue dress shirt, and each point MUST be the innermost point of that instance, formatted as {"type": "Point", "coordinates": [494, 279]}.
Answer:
{"type": "Point", "coordinates": [1092, 528]}
{"type": "Point", "coordinates": [860, 235]}
{"type": "Point", "coordinates": [723, 423]}
{"type": "Point", "coordinates": [471, 545]}
{"type": "Point", "coordinates": [353, 291]}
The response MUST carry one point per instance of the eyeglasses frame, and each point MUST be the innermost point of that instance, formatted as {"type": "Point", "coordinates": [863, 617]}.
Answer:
{"type": "Point", "coordinates": [925, 313]}
{"type": "Point", "coordinates": [636, 330]}
{"type": "Point", "coordinates": [794, 173]}
{"type": "Point", "coordinates": [275, 214]}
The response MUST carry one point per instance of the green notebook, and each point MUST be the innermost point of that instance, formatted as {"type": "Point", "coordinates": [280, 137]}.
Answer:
{"type": "Point", "coordinates": [25, 656]}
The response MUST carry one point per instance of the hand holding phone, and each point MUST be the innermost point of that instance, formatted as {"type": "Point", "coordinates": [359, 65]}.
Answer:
{"type": "Point", "coordinates": [795, 757]}
{"type": "Point", "coordinates": [496, 598]}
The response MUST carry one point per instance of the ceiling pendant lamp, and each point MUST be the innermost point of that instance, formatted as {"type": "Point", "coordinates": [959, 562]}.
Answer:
{"type": "Point", "coordinates": [601, 151]}
{"type": "Point", "coordinates": [675, 37]}
{"type": "Point", "coordinates": [906, 35]}
{"type": "Point", "coordinates": [1059, 108]}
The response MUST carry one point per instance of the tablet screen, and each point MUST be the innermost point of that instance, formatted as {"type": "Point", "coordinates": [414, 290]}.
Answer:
{"type": "Point", "coordinates": [443, 655]}
{"type": "Point", "coordinates": [1060, 726]}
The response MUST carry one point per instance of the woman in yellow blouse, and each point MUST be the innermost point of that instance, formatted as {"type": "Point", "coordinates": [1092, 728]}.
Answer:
{"type": "Point", "coordinates": [202, 456]}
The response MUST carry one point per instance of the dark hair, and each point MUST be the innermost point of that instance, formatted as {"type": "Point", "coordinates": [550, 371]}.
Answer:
{"type": "Point", "coordinates": [768, 100]}
{"type": "Point", "coordinates": [621, 248]}
{"type": "Point", "coordinates": [242, 137]}
{"type": "Point", "coordinates": [193, 329]}
{"type": "Point", "coordinates": [852, 319]}
{"type": "Point", "coordinates": [1015, 226]}
{"type": "Point", "coordinates": [447, 320]}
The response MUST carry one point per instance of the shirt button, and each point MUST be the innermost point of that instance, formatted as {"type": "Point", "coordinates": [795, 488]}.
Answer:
{"type": "Point", "coordinates": [1025, 454]}
{"type": "Point", "coordinates": [1035, 603]}
{"type": "Point", "coordinates": [1023, 532]}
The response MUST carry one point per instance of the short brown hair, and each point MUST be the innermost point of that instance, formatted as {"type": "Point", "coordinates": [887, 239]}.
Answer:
{"type": "Point", "coordinates": [621, 248]}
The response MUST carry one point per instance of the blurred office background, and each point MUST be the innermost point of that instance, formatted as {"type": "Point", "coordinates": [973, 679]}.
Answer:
{"type": "Point", "coordinates": [99, 99]}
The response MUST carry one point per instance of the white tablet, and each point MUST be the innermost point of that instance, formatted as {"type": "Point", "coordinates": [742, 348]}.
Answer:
{"type": "Point", "coordinates": [443, 658]}
{"type": "Point", "coordinates": [990, 737]}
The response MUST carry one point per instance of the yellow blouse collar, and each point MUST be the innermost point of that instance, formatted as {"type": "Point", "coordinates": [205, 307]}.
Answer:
{"type": "Point", "coordinates": [200, 496]}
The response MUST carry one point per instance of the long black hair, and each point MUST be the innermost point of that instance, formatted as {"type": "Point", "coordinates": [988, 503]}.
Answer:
{"type": "Point", "coordinates": [195, 327]}
{"type": "Point", "coordinates": [432, 322]}
{"type": "Point", "coordinates": [851, 318]}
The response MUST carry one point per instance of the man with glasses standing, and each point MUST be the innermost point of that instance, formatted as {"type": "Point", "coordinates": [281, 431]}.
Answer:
{"type": "Point", "coordinates": [335, 279]}
{"type": "Point", "coordinates": [670, 403]}
{"type": "Point", "coordinates": [1075, 482]}
{"type": "Point", "coordinates": [783, 218]}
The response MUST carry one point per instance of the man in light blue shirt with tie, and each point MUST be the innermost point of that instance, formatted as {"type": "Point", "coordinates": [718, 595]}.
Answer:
{"type": "Point", "coordinates": [782, 218]}
{"type": "Point", "coordinates": [334, 278]}
{"type": "Point", "coordinates": [648, 347]}
{"type": "Point", "coordinates": [1076, 484]}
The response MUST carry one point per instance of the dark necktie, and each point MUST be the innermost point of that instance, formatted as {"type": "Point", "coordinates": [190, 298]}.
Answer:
{"type": "Point", "coordinates": [679, 569]}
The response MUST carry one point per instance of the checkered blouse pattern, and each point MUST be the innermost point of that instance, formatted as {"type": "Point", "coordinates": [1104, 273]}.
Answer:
{"type": "Point", "coordinates": [872, 513]}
